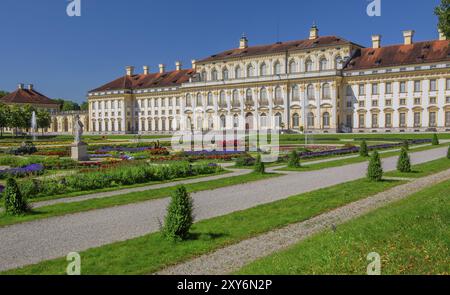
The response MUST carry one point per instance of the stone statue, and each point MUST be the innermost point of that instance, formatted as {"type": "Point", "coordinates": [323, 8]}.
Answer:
{"type": "Point", "coordinates": [78, 129]}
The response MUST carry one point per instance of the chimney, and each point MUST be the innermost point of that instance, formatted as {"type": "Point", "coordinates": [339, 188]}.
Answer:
{"type": "Point", "coordinates": [243, 42]}
{"type": "Point", "coordinates": [442, 36]}
{"type": "Point", "coordinates": [178, 65]}
{"type": "Point", "coordinates": [162, 68]}
{"type": "Point", "coordinates": [20, 86]}
{"type": "Point", "coordinates": [130, 70]}
{"type": "Point", "coordinates": [146, 70]}
{"type": "Point", "coordinates": [313, 32]}
{"type": "Point", "coordinates": [376, 41]}
{"type": "Point", "coordinates": [408, 36]}
{"type": "Point", "coordinates": [30, 86]}
{"type": "Point", "coordinates": [194, 62]}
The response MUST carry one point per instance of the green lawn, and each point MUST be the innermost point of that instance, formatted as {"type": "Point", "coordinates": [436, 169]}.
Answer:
{"type": "Point", "coordinates": [424, 169]}
{"type": "Point", "coordinates": [150, 253]}
{"type": "Point", "coordinates": [412, 236]}
{"type": "Point", "coordinates": [351, 136]}
{"type": "Point", "coordinates": [68, 208]}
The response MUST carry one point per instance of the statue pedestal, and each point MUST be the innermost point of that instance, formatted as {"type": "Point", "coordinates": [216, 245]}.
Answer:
{"type": "Point", "coordinates": [80, 152]}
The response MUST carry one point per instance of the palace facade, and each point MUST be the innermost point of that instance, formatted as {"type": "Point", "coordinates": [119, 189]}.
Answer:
{"type": "Point", "coordinates": [320, 85]}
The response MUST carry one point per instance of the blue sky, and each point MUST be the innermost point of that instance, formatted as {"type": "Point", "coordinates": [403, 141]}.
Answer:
{"type": "Point", "coordinates": [65, 57]}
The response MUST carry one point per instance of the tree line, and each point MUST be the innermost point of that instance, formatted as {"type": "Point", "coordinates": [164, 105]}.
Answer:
{"type": "Point", "coordinates": [19, 118]}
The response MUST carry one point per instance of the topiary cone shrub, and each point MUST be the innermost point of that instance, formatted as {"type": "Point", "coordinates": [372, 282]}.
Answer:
{"type": "Point", "coordinates": [406, 145]}
{"type": "Point", "coordinates": [448, 153]}
{"type": "Point", "coordinates": [404, 162]}
{"type": "Point", "coordinates": [435, 140]}
{"type": "Point", "coordinates": [15, 203]}
{"type": "Point", "coordinates": [179, 218]}
{"type": "Point", "coordinates": [363, 150]}
{"type": "Point", "coordinates": [259, 165]}
{"type": "Point", "coordinates": [294, 160]}
{"type": "Point", "coordinates": [375, 170]}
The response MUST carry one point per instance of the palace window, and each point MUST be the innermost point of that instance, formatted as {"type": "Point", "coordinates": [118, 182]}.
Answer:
{"type": "Point", "coordinates": [432, 119]}
{"type": "Point", "coordinates": [402, 101]}
{"type": "Point", "coordinates": [323, 64]}
{"type": "Point", "coordinates": [263, 69]}
{"type": "Point", "coordinates": [338, 62]}
{"type": "Point", "coordinates": [225, 74]}
{"type": "Point", "coordinates": [223, 122]}
{"type": "Point", "coordinates": [403, 87]}
{"type": "Point", "coordinates": [293, 67]}
{"type": "Point", "coordinates": [210, 99]}
{"type": "Point", "coordinates": [361, 103]}
{"type": "Point", "coordinates": [310, 119]}
{"type": "Point", "coordinates": [362, 121]}
{"type": "Point", "coordinates": [309, 65]}
{"type": "Point", "coordinates": [199, 100]}
{"type": "Point", "coordinates": [447, 99]}
{"type": "Point", "coordinates": [417, 86]}
{"type": "Point", "coordinates": [237, 72]}
{"type": "Point", "coordinates": [204, 76]}
{"type": "Point", "coordinates": [263, 120]}
{"type": "Point", "coordinates": [432, 100]}
{"type": "Point", "coordinates": [433, 85]}
{"type": "Point", "coordinates": [214, 75]}
{"type": "Point", "coordinates": [374, 120]}
{"type": "Point", "coordinates": [295, 120]}
{"type": "Point", "coordinates": [388, 102]}
{"type": "Point", "coordinates": [375, 89]}
{"type": "Point", "coordinates": [326, 92]}
{"type": "Point", "coordinates": [388, 120]}
{"type": "Point", "coordinates": [417, 119]}
{"type": "Point", "coordinates": [188, 100]}
{"type": "Point", "coordinates": [447, 83]}
{"type": "Point", "coordinates": [362, 89]}
{"type": "Point", "coordinates": [277, 68]}
{"type": "Point", "coordinates": [278, 96]}
{"type": "Point", "coordinates": [374, 103]}
{"type": "Point", "coordinates": [295, 93]}
{"type": "Point", "coordinates": [249, 97]}
{"type": "Point", "coordinates": [263, 99]}
{"type": "Point", "coordinates": [447, 119]}
{"type": "Point", "coordinates": [222, 100]}
{"type": "Point", "coordinates": [310, 92]}
{"type": "Point", "coordinates": [417, 100]}
{"type": "Point", "coordinates": [326, 120]}
{"type": "Point", "coordinates": [349, 90]}
{"type": "Point", "coordinates": [402, 118]}
{"type": "Point", "coordinates": [235, 99]}
{"type": "Point", "coordinates": [250, 71]}
{"type": "Point", "coordinates": [389, 88]}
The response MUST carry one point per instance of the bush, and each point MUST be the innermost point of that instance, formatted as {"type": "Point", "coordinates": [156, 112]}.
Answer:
{"type": "Point", "coordinates": [448, 153]}
{"type": "Point", "coordinates": [294, 160]}
{"type": "Point", "coordinates": [259, 165]}
{"type": "Point", "coordinates": [245, 161]}
{"type": "Point", "coordinates": [375, 170]}
{"type": "Point", "coordinates": [404, 162]}
{"type": "Point", "coordinates": [26, 148]}
{"type": "Point", "coordinates": [363, 150]}
{"type": "Point", "coordinates": [406, 145]}
{"type": "Point", "coordinates": [435, 140]}
{"type": "Point", "coordinates": [179, 218]}
{"type": "Point", "coordinates": [15, 203]}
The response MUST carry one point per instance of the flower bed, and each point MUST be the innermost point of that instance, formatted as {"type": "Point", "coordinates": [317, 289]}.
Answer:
{"type": "Point", "coordinates": [33, 169]}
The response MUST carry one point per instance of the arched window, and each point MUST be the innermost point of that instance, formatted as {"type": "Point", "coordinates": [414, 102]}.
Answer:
{"type": "Point", "coordinates": [310, 92]}
{"type": "Point", "coordinates": [323, 64]}
{"type": "Point", "coordinates": [263, 98]}
{"type": "Point", "coordinates": [237, 72]}
{"type": "Point", "coordinates": [309, 65]}
{"type": "Point", "coordinates": [210, 122]}
{"type": "Point", "coordinates": [236, 121]}
{"type": "Point", "coordinates": [295, 93]}
{"type": "Point", "coordinates": [210, 99]}
{"type": "Point", "coordinates": [214, 76]}
{"type": "Point", "coordinates": [295, 120]}
{"type": "Point", "coordinates": [277, 68]}
{"type": "Point", "coordinates": [263, 120]}
{"type": "Point", "coordinates": [199, 100]}
{"type": "Point", "coordinates": [326, 120]}
{"type": "Point", "coordinates": [249, 97]}
{"type": "Point", "coordinates": [223, 122]}
{"type": "Point", "coordinates": [278, 120]}
{"type": "Point", "coordinates": [326, 92]}
{"type": "Point", "coordinates": [235, 99]}
{"type": "Point", "coordinates": [204, 76]}
{"type": "Point", "coordinates": [278, 96]}
{"type": "Point", "coordinates": [225, 74]}
{"type": "Point", "coordinates": [250, 71]}
{"type": "Point", "coordinates": [293, 67]}
{"type": "Point", "coordinates": [310, 119]}
{"type": "Point", "coordinates": [188, 100]}
{"type": "Point", "coordinates": [222, 100]}
{"type": "Point", "coordinates": [338, 62]}
{"type": "Point", "coordinates": [263, 69]}
{"type": "Point", "coordinates": [199, 122]}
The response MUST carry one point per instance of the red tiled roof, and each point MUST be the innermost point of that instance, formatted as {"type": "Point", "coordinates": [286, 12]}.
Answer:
{"type": "Point", "coordinates": [398, 55]}
{"type": "Point", "coordinates": [26, 96]}
{"type": "Point", "coordinates": [153, 80]}
{"type": "Point", "coordinates": [278, 47]}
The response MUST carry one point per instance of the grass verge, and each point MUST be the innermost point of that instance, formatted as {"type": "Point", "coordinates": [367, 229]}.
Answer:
{"type": "Point", "coordinates": [412, 236]}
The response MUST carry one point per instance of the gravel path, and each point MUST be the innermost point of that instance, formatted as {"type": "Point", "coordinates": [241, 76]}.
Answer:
{"type": "Point", "coordinates": [232, 258]}
{"type": "Point", "coordinates": [31, 242]}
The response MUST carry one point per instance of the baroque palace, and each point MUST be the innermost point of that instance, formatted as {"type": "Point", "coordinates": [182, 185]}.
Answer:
{"type": "Point", "coordinates": [320, 85]}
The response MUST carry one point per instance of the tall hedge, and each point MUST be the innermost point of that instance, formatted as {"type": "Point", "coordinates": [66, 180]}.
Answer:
{"type": "Point", "coordinates": [404, 162]}
{"type": "Point", "coordinates": [363, 149]}
{"type": "Point", "coordinates": [375, 170]}
{"type": "Point", "coordinates": [179, 218]}
{"type": "Point", "coordinates": [294, 160]}
{"type": "Point", "coordinates": [15, 203]}
{"type": "Point", "coordinates": [435, 140]}
{"type": "Point", "coordinates": [259, 165]}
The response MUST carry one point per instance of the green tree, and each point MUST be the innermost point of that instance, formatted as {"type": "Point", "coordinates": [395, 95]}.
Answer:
{"type": "Point", "coordinates": [84, 106]}
{"type": "Point", "coordinates": [294, 160]}
{"type": "Point", "coordinates": [363, 149]}
{"type": "Point", "coordinates": [70, 106]}
{"type": "Point", "coordinates": [15, 203]}
{"type": "Point", "coordinates": [375, 170]}
{"type": "Point", "coordinates": [259, 165]}
{"type": "Point", "coordinates": [435, 140]}
{"type": "Point", "coordinates": [404, 162]}
{"type": "Point", "coordinates": [43, 119]}
{"type": "Point", "coordinates": [179, 218]}
{"type": "Point", "coordinates": [4, 117]}
{"type": "Point", "coordinates": [443, 13]}
{"type": "Point", "coordinates": [3, 93]}
{"type": "Point", "coordinates": [15, 120]}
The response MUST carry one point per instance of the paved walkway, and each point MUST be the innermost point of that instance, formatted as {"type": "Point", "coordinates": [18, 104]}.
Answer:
{"type": "Point", "coordinates": [234, 257]}
{"type": "Point", "coordinates": [32, 242]}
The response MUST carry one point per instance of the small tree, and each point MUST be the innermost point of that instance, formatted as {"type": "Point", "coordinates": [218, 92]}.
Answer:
{"type": "Point", "coordinates": [363, 149]}
{"type": "Point", "coordinates": [294, 160]}
{"type": "Point", "coordinates": [259, 165]}
{"type": "Point", "coordinates": [406, 145]}
{"type": "Point", "coordinates": [179, 218]}
{"type": "Point", "coordinates": [435, 140]}
{"type": "Point", "coordinates": [375, 170]}
{"type": "Point", "coordinates": [448, 153]}
{"type": "Point", "coordinates": [404, 162]}
{"type": "Point", "coordinates": [15, 203]}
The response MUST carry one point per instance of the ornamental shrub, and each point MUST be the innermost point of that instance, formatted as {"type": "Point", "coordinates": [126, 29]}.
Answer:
{"type": "Point", "coordinates": [404, 162]}
{"type": "Point", "coordinates": [259, 165]}
{"type": "Point", "coordinates": [375, 170]}
{"type": "Point", "coordinates": [363, 150]}
{"type": "Point", "coordinates": [448, 153]}
{"type": "Point", "coordinates": [245, 161]}
{"type": "Point", "coordinates": [435, 140]}
{"type": "Point", "coordinates": [15, 203]}
{"type": "Point", "coordinates": [406, 145]}
{"type": "Point", "coordinates": [294, 160]}
{"type": "Point", "coordinates": [179, 218]}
